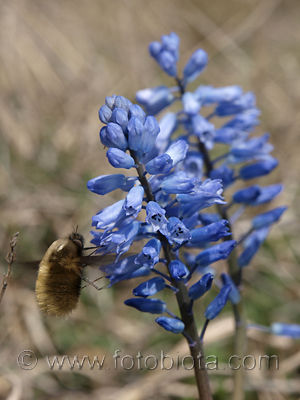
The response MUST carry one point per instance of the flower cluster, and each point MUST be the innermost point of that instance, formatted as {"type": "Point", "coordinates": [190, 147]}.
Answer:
{"type": "Point", "coordinates": [175, 179]}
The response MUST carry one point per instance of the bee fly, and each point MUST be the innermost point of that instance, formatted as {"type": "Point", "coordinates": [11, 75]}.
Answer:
{"type": "Point", "coordinates": [60, 273]}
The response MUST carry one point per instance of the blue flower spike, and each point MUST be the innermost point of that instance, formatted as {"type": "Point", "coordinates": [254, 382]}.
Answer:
{"type": "Point", "coordinates": [172, 176]}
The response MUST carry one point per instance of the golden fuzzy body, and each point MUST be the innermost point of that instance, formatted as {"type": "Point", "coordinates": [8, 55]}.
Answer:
{"type": "Point", "coordinates": [59, 278]}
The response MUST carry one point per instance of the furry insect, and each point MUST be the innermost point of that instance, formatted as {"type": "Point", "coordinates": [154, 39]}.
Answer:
{"type": "Point", "coordinates": [59, 278]}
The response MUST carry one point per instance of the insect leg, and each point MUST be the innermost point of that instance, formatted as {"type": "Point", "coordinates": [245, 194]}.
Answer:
{"type": "Point", "coordinates": [94, 282]}
{"type": "Point", "coordinates": [90, 282]}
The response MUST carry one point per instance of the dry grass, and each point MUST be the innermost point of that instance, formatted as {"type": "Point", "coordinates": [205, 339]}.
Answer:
{"type": "Point", "coordinates": [59, 59]}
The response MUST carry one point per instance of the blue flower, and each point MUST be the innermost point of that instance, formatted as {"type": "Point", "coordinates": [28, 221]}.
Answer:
{"type": "Point", "coordinates": [177, 151]}
{"type": "Point", "coordinates": [124, 237]}
{"type": "Point", "coordinates": [167, 124]}
{"type": "Point", "coordinates": [177, 231]}
{"type": "Point", "coordinates": [208, 218]}
{"type": "Point", "coordinates": [234, 294]}
{"type": "Point", "coordinates": [215, 253]}
{"type": "Point", "coordinates": [120, 267]}
{"type": "Point", "coordinates": [190, 104]}
{"type": "Point", "coordinates": [153, 306]}
{"type": "Point", "coordinates": [268, 218]}
{"type": "Point", "coordinates": [243, 103]}
{"type": "Point", "coordinates": [223, 173]}
{"type": "Point", "coordinates": [178, 270]}
{"type": "Point", "coordinates": [205, 195]}
{"type": "Point", "coordinates": [159, 165]}
{"type": "Point", "coordinates": [149, 256]}
{"type": "Point", "coordinates": [135, 111]}
{"type": "Point", "coordinates": [133, 201]}
{"type": "Point", "coordinates": [178, 183]}
{"type": "Point", "coordinates": [110, 216]}
{"type": "Point", "coordinates": [119, 159]}
{"type": "Point", "coordinates": [135, 133]}
{"type": "Point", "coordinates": [155, 99]}
{"type": "Point", "coordinates": [201, 287]}
{"type": "Point", "coordinates": [252, 149]}
{"type": "Point", "coordinates": [166, 53]}
{"type": "Point", "coordinates": [193, 165]}
{"type": "Point", "coordinates": [156, 216]}
{"type": "Point", "coordinates": [150, 134]}
{"type": "Point", "coordinates": [173, 325]}
{"type": "Point", "coordinates": [105, 114]}
{"type": "Point", "coordinates": [218, 303]}
{"type": "Point", "coordinates": [258, 169]}
{"type": "Point", "coordinates": [229, 135]}
{"type": "Point", "coordinates": [138, 273]}
{"type": "Point", "coordinates": [120, 117]}
{"type": "Point", "coordinates": [114, 101]}
{"type": "Point", "coordinates": [291, 330]}
{"type": "Point", "coordinates": [245, 121]}
{"type": "Point", "coordinates": [247, 195]}
{"type": "Point", "coordinates": [209, 95]}
{"type": "Point", "coordinates": [115, 135]}
{"type": "Point", "coordinates": [251, 245]}
{"type": "Point", "coordinates": [209, 233]}
{"type": "Point", "coordinates": [204, 130]}
{"type": "Point", "coordinates": [106, 183]}
{"type": "Point", "coordinates": [149, 288]}
{"type": "Point", "coordinates": [195, 65]}
{"type": "Point", "coordinates": [267, 194]}
{"type": "Point", "coordinates": [165, 162]}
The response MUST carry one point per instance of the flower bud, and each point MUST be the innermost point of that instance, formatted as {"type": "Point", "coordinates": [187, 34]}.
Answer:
{"type": "Point", "coordinates": [219, 302]}
{"type": "Point", "coordinates": [195, 65]}
{"type": "Point", "coordinates": [201, 287]}
{"type": "Point", "coordinates": [258, 169]}
{"type": "Point", "coordinates": [268, 218]}
{"type": "Point", "coordinates": [119, 159]}
{"type": "Point", "coordinates": [190, 104]}
{"type": "Point", "coordinates": [105, 114]}
{"type": "Point", "coordinates": [152, 306]}
{"type": "Point", "coordinates": [106, 183]}
{"type": "Point", "coordinates": [247, 195]}
{"type": "Point", "coordinates": [215, 253]}
{"type": "Point", "coordinates": [173, 325]}
{"type": "Point", "coordinates": [178, 270]}
{"type": "Point", "coordinates": [209, 233]}
{"type": "Point", "coordinates": [116, 136]}
{"type": "Point", "coordinates": [234, 295]}
{"type": "Point", "coordinates": [149, 288]}
{"type": "Point", "coordinates": [155, 99]}
{"type": "Point", "coordinates": [120, 117]}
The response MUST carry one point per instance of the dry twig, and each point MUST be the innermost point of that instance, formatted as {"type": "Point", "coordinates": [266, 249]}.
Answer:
{"type": "Point", "coordinates": [10, 258]}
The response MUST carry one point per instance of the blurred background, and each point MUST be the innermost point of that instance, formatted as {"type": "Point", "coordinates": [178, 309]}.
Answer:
{"type": "Point", "coordinates": [59, 60]}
